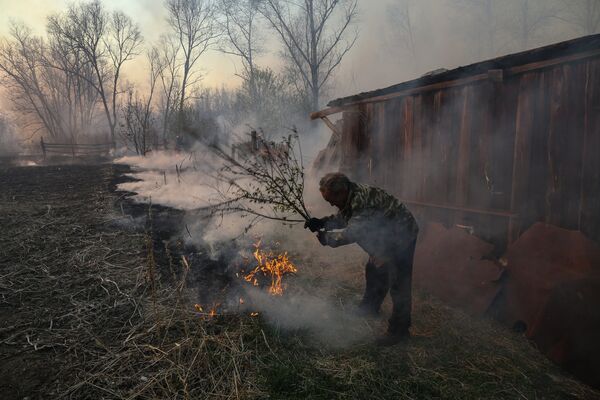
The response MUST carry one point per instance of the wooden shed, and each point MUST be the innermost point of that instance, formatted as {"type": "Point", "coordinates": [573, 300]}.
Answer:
{"type": "Point", "coordinates": [492, 147]}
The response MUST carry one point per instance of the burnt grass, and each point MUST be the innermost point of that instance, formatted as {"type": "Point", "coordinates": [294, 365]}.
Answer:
{"type": "Point", "coordinates": [96, 302]}
{"type": "Point", "coordinates": [165, 229]}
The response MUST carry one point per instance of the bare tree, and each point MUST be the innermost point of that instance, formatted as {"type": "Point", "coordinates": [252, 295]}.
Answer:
{"type": "Point", "coordinates": [401, 21]}
{"type": "Point", "coordinates": [156, 69]}
{"type": "Point", "coordinates": [71, 81]}
{"type": "Point", "coordinates": [242, 37]}
{"type": "Point", "coordinates": [529, 18]}
{"type": "Point", "coordinates": [272, 100]}
{"type": "Point", "coordinates": [315, 41]}
{"type": "Point", "coordinates": [503, 26]}
{"type": "Point", "coordinates": [137, 123]}
{"type": "Point", "coordinates": [138, 115]}
{"type": "Point", "coordinates": [122, 44]}
{"type": "Point", "coordinates": [9, 143]}
{"type": "Point", "coordinates": [106, 40]}
{"type": "Point", "coordinates": [584, 15]}
{"type": "Point", "coordinates": [56, 100]}
{"type": "Point", "coordinates": [485, 24]}
{"type": "Point", "coordinates": [20, 61]}
{"type": "Point", "coordinates": [168, 51]}
{"type": "Point", "coordinates": [208, 112]}
{"type": "Point", "coordinates": [195, 26]}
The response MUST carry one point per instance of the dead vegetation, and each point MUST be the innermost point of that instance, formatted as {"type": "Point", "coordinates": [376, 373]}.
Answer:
{"type": "Point", "coordinates": [85, 315]}
{"type": "Point", "coordinates": [265, 181]}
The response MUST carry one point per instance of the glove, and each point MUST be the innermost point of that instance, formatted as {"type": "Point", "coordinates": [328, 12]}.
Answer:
{"type": "Point", "coordinates": [314, 224]}
{"type": "Point", "coordinates": [322, 236]}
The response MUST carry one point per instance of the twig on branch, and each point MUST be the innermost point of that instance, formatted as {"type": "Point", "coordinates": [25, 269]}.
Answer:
{"type": "Point", "coordinates": [265, 180]}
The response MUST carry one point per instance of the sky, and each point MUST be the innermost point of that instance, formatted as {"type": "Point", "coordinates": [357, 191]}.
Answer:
{"type": "Point", "coordinates": [377, 60]}
{"type": "Point", "coordinates": [220, 69]}
{"type": "Point", "coordinates": [150, 16]}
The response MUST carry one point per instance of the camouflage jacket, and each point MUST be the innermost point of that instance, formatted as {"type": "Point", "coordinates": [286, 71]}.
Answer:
{"type": "Point", "coordinates": [375, 220]}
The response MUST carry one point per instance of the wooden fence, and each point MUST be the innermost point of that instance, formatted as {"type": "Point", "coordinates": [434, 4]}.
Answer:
{"type": "Point", "coordinates": [75, 149]}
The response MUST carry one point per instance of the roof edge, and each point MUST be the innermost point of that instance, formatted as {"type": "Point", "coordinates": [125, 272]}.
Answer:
{"type": "Point", "coordinates": [549, 52]}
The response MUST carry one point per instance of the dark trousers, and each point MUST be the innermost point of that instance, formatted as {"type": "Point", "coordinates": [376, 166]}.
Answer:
{"type": "Point", "coordinates": [394, 276]}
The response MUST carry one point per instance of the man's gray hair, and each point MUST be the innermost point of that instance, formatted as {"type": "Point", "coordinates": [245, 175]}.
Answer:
{"type": "Point", "coordinates": [334, 182]}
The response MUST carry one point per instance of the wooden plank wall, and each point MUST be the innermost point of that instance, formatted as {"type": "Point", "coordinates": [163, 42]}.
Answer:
{"type": "Point", "coordinates": [529, 144]}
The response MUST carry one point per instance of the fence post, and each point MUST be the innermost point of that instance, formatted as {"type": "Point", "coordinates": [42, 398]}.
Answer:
{"type": "Point", "coordinates": [43, 147]}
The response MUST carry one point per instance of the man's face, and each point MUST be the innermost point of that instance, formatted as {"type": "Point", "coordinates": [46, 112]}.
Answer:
{"type": "Point", "coordinates": [335, 199]}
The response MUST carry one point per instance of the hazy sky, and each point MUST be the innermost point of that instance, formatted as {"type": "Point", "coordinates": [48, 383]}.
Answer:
{"type": "Point", "coordinates": [149, 14]}
{"type": "Point", "coordinates": [377, 60]}
{"type": "Point", "coordinates": [365, 67]}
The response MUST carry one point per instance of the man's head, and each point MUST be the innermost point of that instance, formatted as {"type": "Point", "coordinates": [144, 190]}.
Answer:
{"type": "Point", "coordinates": [335, 188]}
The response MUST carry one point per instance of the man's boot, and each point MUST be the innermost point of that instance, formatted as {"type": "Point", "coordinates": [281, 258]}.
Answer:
{"type": "Point", "coordinates": [397, 332]}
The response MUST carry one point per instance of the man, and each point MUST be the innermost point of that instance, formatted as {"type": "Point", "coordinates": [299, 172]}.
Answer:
{"type": "Point", "coordinates": [387, 231]}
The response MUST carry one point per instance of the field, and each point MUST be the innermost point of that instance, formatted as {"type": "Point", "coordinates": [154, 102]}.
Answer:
{"type": "Point", "coordinates": [96, 302]}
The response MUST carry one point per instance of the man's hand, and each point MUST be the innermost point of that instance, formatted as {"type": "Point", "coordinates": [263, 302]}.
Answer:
{"type": "Point", "coordinates": [314, 224]}
{"type": "Point", "coordinates": [322, 236]}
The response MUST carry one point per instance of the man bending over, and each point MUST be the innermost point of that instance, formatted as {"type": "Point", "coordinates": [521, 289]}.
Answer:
{"type": "Point", "coordinates": [383, 227]}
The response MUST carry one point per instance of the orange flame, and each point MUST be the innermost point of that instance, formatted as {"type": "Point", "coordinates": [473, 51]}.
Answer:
{"type": "Point", "coordinates": [273, 266]}
{"type": "Point", "coordinates": [210, 314]}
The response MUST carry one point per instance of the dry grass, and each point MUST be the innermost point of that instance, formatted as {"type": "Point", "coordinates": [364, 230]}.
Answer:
{"type": "Point", "coordinates": [86, 316]}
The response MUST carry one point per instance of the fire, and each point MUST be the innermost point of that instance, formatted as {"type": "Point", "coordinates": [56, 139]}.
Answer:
{"type": "Point", "coordinates": [210, 314]}
{"type": "Point", "coordinates": [271, 266]}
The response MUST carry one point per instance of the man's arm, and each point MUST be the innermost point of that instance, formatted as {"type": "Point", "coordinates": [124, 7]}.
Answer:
{"type": "Point", "coordinates": [327, 223]}
{"type": "Point", "coordinates": [333, 239]}
{"type": "Point", "coordinates": [334, 222]}
{"type": "Point", "coordinates": [354, 228]}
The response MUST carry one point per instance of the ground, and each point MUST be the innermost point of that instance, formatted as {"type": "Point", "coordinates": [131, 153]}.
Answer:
{"type": "Point", "coordinates": [86, 312]}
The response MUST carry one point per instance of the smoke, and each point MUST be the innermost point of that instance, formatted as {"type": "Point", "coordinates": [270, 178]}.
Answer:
{"type": "Point", "coordinates": [9, 139]}
{"type": "Point", "coordinates": [443, 34]}
{"type": "Point", "coordinates": [316, 300]}
{"type": "Point", "coordinates": [171, 179]}
{"type": "Point", "coordinates": [183, 181]}
{"type": "Point", "coordinates": [187, 181]}
{"type": "Point", "coordinates": [324, 321]}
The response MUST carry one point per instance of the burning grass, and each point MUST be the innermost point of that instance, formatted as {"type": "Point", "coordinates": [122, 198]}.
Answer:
{"type": "Point", "coordinates": [272, 267]}
{"type": "Point", "coordinates": [85, 315]}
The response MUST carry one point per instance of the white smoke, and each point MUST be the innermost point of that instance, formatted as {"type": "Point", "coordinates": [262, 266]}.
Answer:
{"type": "Point", "coordinates": [184, 181]}
{"type": "Point", "coordinates": [335, 325]}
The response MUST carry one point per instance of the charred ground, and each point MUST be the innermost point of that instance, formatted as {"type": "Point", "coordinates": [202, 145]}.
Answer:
{"type": "Point", "coordinates": [67, 277]}
{"type": "Point", "coordinates": [95, 303]}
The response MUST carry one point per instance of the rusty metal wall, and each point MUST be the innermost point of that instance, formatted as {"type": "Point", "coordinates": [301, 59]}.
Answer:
{"type": "Point", "coordinates": [493, 155]}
